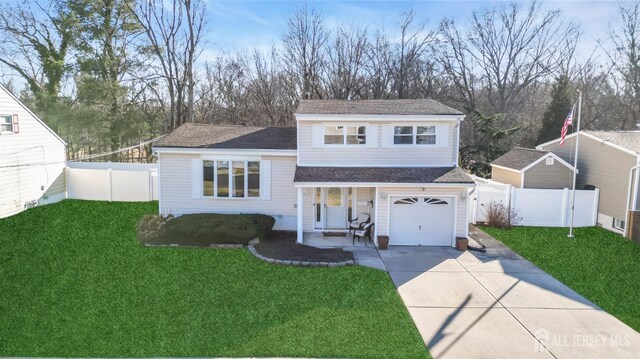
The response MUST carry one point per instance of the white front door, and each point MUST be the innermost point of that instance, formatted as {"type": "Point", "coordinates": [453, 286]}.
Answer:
{"type": "Point", "coordinates": [420, 220]}
{"type": "Point", "coordinates": [335, 215]}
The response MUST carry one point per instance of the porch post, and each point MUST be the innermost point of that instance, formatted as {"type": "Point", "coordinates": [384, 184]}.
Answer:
{"type": "Point", "coordinates": [299, 207]}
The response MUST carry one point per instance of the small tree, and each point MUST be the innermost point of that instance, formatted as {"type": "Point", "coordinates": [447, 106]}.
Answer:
{"type": "Point", "coordinates": [557, 110]}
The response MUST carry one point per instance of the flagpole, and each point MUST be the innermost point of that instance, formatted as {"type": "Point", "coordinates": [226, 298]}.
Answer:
{"type": "Point", "coordinates": [575, 167]}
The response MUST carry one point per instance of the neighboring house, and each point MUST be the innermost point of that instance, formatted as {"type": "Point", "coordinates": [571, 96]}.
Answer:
{"type": "Point", "coordinates": [606, 160]}
{"type": "Point", "coordinates": [529, 168]}
{"type": "Point", "coordinates": [32, 158]}
{"type": "Point", "coordinates": [394, 159]}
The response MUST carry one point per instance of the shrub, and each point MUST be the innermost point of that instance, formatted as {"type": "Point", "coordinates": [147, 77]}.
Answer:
{"type": "Point", "coordinates": [500, 216]}
{"type": "Point", "coordinates": [204, 229]}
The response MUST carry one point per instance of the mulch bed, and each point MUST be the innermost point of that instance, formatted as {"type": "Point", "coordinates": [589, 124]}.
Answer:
{"type": "Point", "coordinates": [282, 245]}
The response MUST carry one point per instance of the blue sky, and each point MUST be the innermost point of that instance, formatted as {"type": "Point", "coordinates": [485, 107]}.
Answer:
{"type": "Point", "coordinates": [248, 24]}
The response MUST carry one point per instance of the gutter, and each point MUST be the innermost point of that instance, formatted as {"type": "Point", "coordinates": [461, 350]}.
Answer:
{"type": "Point", "coordinates": [626, 209]}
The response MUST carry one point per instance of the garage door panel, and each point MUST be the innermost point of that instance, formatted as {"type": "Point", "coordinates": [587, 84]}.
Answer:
{"type": "Point", "coordinates": [426, 221]}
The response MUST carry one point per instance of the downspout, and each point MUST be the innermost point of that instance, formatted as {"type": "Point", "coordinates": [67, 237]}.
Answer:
{"type": "Point", "coordinates": [626, 209]}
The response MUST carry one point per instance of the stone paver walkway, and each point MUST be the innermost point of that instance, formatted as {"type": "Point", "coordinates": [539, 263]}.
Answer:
{"type": "Point", "coordinates": [498, 305]}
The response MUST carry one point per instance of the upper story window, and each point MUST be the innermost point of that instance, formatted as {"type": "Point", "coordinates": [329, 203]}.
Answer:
{"type": "Point", "coordinates": [231, 179]}
{"type": "Point", "coordinates": [414, 135]}
{"type": "Point", "coordinates": [345, 135]}
{"type": "Point", "coordinates": [6, 124]}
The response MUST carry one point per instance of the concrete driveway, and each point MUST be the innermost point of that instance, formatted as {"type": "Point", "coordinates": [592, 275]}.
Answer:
{"type": "Point", "coordinates": [500, 306]}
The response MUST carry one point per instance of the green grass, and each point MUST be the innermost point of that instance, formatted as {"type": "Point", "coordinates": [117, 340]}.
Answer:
{"type": "Point", "coordinates": [74, 281]}
{"type": "Point", "coordinates": [600, 265]}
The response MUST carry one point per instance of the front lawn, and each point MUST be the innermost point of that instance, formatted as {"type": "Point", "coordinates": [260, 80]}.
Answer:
{"type": "Point", "coordinates": [74, 281]}
{"type": "Point", "coordinates": [600, 265]}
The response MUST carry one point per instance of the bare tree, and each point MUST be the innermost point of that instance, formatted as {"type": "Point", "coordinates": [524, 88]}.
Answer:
{"type": "Point", "coordinates": [506, 51]}
{"type": "Point", "coordinates": [409, 51]}
{"type": "Point", "coordinates": [622, 49]}
{"type": "Point", "coordinates": [36, 40]}
{"type": "Point", "coordinates": [346, 60]}
{"type": "Point", "coordinates": [379, 67]}
{"type": "Point", "coordinates": [304, 51]}
{"type": "Point", "coordinates": [175, 34]}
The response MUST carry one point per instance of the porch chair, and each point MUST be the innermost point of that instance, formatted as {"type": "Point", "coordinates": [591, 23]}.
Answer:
{"type": "Point", "coordinates": [364, 233]}
{"type": "Point", "coordinates": [359, 222]}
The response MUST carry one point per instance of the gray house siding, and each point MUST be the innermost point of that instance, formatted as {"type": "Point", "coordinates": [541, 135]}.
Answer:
{"type": "Point", "coordinates": [506, 176]}
{"type": "Point", "coordinates": [607, 169]}
{"type": "Point", "coordinates": [541, 175]}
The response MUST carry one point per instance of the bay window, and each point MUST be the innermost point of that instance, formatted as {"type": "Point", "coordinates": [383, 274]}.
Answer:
{"type": "Point", "coordinates": [230, 179]}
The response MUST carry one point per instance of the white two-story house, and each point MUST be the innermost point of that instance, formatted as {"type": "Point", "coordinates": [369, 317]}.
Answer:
{"type": "Point", "coordinates": [395, 160]}
{"type": "Point", "coordinates": [32, 158]}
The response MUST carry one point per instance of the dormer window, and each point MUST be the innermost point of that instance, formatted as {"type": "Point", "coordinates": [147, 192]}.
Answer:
{"type": "Point", "coordinates": [414, 135]}
{"type": "Point", "coordinates": [345, 135]}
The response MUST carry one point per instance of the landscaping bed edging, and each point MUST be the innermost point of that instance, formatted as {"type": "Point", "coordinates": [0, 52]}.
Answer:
{"type": "Point", "coordinates": [296, 263]}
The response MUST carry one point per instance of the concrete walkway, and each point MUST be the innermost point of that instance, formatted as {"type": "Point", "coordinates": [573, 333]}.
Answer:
{"type": "Point", "coordinates": [498, 305]}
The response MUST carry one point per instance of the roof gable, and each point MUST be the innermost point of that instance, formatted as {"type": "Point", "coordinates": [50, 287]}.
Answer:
{"type": "Point", "coordinates": [191, 135]}
{"type": "Point", "coordinates": [375, 107]}
{"type": "Point", "coordinates": [14, 98]}
{"type": "Point", "coordinates": [519, 158]}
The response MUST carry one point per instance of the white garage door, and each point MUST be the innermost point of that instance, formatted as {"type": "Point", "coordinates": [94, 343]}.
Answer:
{"type": "Point", "coordinates": [425, 221]}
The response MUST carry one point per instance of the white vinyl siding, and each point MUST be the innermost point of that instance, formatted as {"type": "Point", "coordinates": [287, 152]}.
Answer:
{"type": "Point", "coordinates": [33, 161]}
{"type": "Point", "coordinates": [379, 150]}
{"type": "Point", "coordinates": [278, 196]}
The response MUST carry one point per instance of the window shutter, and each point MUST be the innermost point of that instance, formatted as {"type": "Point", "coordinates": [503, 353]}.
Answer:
{"type": "Point", "coordinates": [372, 136]}
{"type": "Point", "coordinates": [16, 125]}
{"type": "Point", "coordinates": [442, 132]}
{"type": "Point", "coordinates": [317, 135]}
{"type": "Point", "coordinates": [265, 179]}
{"type": "Point", "coordinates": [387, 135]}
{"type": "Point", "coordinates": [196, 178]}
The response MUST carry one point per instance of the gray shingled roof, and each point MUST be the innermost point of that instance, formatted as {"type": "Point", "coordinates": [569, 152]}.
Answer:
{"type": "Point", "coordinates": [382, 174]}
{"type": "Point", "coordinates": [230, 137]}
{"type": "Point", "coordinates": [519, 158]}
{"type": "Point", "coordinates": [375, 107]}
{"type": "Point", "coordinates": [626, 139]}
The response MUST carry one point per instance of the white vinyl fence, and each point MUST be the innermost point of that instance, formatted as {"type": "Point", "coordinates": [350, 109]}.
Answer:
{"type": "Point", "coordinates": [536, 207]}
{"type": "Point", "coordinates": [110, 181]}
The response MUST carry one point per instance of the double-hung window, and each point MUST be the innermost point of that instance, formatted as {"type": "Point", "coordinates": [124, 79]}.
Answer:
{"type": "Point", "coordinates": [6, 124]}
{"type": "Point", "coordinates": [414, 135]}
{"type": "Point", "coordinates": [345, 135]}
{"type": "Point", "coordinates": [230, 179]}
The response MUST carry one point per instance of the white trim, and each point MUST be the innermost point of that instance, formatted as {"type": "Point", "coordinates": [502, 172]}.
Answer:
{"type": "Point", "coordinates": [375, 218]}
{"type": "Point", "coordinates": [381, 184]}
{"type": "Point", "coordinates": [224, 151]}
{"type": "Point", "coordinates": [359, 117]}
{"type": "Point", "coordinates": [456, 152]}
{"type": "Point", "coordinates": [593, 137]}
{"type": "Point", "coordinates": [505, 168]}
{"type": "Point", "coordinates": [550, 154]}
{"type": "Point", "coordinates": [34, 115]}
{"type": "Point", "coordinates": [13, 131]}
{"type": "Point", "coordinates": [374, 164]}
{"type": "Point", "coordinates": [299, 220]}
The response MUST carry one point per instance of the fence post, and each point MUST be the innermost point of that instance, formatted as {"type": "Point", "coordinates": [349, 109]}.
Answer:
{"type": "Point", "coordinates": [596, 201]}
{"type": "Point", "coordinates": [110, 185]}
{"type": "Point", "coordinates": [150, 184]}
{"type": "Point", "coordinates": [565, 202]}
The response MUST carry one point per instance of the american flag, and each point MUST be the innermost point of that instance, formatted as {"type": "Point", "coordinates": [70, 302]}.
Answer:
{"type": "Point", "coordinates": [565, 127]}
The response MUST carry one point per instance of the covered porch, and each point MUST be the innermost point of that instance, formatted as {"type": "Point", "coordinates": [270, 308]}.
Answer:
{"type": "Point", "coordinates": [425, 206]}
